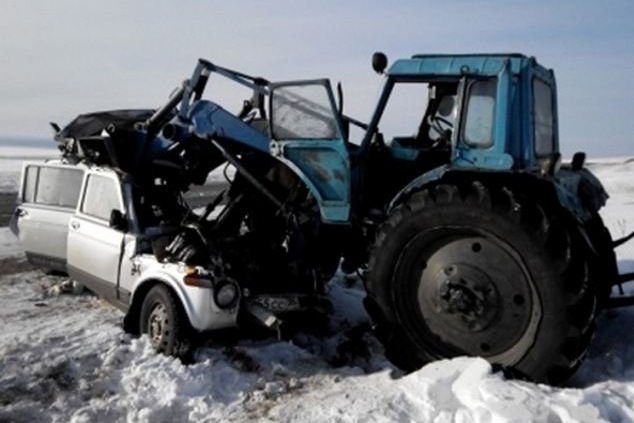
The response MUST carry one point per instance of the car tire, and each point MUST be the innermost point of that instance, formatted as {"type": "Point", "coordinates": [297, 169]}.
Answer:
{"type": "Point", "coordinates": [164, 320]}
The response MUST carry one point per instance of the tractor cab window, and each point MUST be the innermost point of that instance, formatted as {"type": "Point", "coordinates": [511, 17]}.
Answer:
{"type": "Point", "coordinates": [302, 111]}
{"type": "Point", "coordinates": [479, 113]}
{"type": "Point", "coordinates": [420, 114]}
{"type": "Point", "coordinates": [543, 118]}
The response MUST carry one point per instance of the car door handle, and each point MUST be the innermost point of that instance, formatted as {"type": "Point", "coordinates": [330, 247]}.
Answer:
{"type": "Point", "coordinates": [19, 212]}
{"type": "Point", "coordinates": [74, 224]}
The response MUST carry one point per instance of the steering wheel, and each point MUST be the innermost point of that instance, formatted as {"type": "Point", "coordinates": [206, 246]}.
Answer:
{"type": "Point", "coordinates": [440, 125]}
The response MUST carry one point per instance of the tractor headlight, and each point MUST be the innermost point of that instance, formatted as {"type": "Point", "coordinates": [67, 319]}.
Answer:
{"type": "Point", "coordinates": [226, 294]}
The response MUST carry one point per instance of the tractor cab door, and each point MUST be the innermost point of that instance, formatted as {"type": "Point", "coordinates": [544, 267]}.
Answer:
{"type": "Point", "coordinates": [485, 128]}
{"type": "Point", "coordinates": [306, 135]}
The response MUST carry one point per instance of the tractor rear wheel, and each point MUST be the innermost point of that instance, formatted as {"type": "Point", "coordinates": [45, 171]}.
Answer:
{"type": "Point", "coordinates": [476, 271]}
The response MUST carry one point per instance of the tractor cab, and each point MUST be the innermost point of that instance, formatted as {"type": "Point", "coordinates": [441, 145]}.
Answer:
{"type": "Point", "coordinates": [476, 108]}
{"type": "Point", "coordinates": [490, 112]}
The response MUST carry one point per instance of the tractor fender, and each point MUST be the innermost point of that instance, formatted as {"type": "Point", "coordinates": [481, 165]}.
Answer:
{"type": "Point", "coordinates": [417, 184]}
{"type": "Point", "coordinates": [564, 192]}
{"type": "Point", "coordinates": [578, 192]}
{"type": "Point", "coordinates": [581, 190]}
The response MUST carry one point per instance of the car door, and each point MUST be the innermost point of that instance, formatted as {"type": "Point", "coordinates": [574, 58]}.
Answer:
{"type": "Point", "coordinates": [306, 135]}
{"type": "Point", "coordinates": [95, 248]}
{"type": "Point", "coordinates": [47, 199]}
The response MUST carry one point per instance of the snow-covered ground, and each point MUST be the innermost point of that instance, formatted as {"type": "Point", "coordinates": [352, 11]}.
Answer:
{"type": "Point", "coordinates": [64, 357]}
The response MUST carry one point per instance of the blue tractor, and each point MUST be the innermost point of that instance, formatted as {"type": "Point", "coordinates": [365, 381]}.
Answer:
{"type": "Point", "coordinates": [472, 237]}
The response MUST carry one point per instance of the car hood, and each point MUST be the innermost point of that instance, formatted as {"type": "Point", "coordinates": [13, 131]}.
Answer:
{"type": "Point", "coordinates": [92, 124]}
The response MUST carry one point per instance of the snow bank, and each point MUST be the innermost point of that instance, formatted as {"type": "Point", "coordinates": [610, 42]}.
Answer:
{"type": "Point", "coordinates": [458, 390]}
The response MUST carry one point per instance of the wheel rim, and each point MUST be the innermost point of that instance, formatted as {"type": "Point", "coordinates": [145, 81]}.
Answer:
{"type": "Point", "coordinates": [472, 295]}
{"type": "Point", "coordinates": [157, 324]}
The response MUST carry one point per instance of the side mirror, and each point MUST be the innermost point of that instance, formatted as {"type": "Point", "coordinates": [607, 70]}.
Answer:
{"type": "Point", "coordinates": [118, 221]}
{"type": "Point", "coordinates": [379, 62]}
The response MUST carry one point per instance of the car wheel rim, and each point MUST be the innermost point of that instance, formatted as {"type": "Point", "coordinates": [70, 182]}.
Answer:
{"type": "Point", "coordinates": [157, 324]}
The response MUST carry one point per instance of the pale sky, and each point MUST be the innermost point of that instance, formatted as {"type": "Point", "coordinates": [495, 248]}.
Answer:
{"type": "Point", "coordinates": [62, 58]}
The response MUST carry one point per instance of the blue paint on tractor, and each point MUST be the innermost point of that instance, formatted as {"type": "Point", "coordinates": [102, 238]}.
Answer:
{"type": "Point", "coordinates": [457, 65]}
{"type": "Point", "coordinates": [211, 120]}
{"type": "Point", "coordinates": [525, 108]}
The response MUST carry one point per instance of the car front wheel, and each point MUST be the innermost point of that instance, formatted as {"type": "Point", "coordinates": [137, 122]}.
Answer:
{"type": "Point", "coordinates": [163, 319]}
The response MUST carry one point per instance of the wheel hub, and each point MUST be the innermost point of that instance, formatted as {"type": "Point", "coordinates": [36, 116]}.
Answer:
{"type": "Point", "coordinates": [474, 297]}
{"type": "Point", "coordinates": [467, 296]}
{"type": "Point", "coordinates": [158, 322]}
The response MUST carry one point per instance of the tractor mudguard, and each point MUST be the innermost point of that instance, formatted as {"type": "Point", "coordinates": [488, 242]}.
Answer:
{"type": "Point", "coordinates": [580, 192]}
{"type": "Point", "coordinates": [416, 184]}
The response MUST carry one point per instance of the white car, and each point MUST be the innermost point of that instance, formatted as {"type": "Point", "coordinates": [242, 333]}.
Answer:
{"type": "Point", "coordinates": [85, 221]}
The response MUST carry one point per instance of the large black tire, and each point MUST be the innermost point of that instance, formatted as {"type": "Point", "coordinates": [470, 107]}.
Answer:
{"type": "Point", "coordinates": [163, 319]}
{"type": "Point", "coordinates": [475, 270]}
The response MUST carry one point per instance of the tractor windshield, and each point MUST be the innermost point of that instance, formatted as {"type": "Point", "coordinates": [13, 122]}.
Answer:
{"type": "Point", "coordinates": [302, 111]}
{"type": "Point", "coordinates": [420, 114]}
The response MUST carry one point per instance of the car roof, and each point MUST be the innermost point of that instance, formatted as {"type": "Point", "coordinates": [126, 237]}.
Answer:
{"type": "Point", "coordinates": [88, 167]}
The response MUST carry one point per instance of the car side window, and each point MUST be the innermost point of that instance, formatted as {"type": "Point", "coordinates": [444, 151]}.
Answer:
{"type": "Point", "coordinates": [30, 183]}
{"type": "Point", "coordinates": [52, 186]}
{"type": "Point", "coordinates": [101, 197]}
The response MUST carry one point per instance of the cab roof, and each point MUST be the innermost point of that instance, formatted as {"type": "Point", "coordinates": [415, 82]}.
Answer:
{"type": "Point", "coordinates": [459, 64]}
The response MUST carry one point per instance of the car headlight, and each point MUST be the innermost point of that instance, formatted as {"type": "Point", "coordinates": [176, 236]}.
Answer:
{"type": "Point", "coordinates": [226, 294]}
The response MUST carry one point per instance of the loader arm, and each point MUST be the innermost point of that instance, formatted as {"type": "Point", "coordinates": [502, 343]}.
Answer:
{"type": "Point", "coordinates": [309, 137]}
